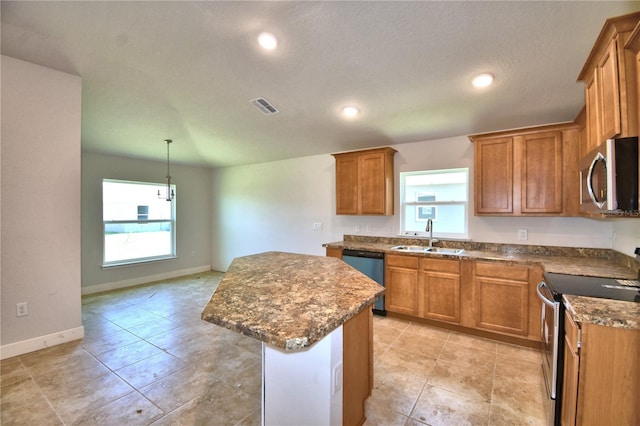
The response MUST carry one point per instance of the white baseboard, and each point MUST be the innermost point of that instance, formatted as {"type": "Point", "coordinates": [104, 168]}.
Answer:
{"type": "Point", "coordinates": [99, 288]}
{"type": "Point", "coordinates": [41, 342]}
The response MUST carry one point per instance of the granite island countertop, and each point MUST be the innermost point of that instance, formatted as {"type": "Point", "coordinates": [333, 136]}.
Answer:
{"type": "Point", "coordinates": [610, 313]}
{"type": "Point", "coordinates": [287, 300]}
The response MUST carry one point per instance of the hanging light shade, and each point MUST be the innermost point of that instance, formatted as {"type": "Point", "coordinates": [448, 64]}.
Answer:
{"type": "Point", "coordinates": [169, 195]}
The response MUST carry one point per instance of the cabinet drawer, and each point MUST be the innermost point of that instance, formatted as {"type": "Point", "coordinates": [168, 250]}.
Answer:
{"type": "Point", "coordinates": [496, 270]}
{"type": "Point", "coordinates": [571, 331]}
{"type": "Point", "coordinates": [440, 265]}
{"type": "Point", "coordinates": [402, 261]}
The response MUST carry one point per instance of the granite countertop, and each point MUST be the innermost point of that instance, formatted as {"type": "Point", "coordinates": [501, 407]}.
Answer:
{"type": "Point", "coordinates": [563, 260]}
{"type": "Point", "coordinates": [610, 313]}
{"type": "Point", "coordinates": [288, 300]}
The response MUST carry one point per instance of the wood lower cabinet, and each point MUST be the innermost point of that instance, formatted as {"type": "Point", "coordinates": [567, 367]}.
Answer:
{"type": "Point", "coordinates": [357, 359]}
{"type": "Point", "coordinates": [401, 282]}
{"type": "Point", "coordinates": [333, 252]}
{"type": "Point", "coordinates": [364, 182]}
{"type": "Point", "coordinates": [439, 289]}
{"type": "Point", "coordinates": [601, 375]}
{"type": "Point", "coordinates": [502, 298]}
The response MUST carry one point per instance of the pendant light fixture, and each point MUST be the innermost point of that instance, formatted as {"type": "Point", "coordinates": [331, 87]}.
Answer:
{"type": "Point", "coordinates": [170, 195]}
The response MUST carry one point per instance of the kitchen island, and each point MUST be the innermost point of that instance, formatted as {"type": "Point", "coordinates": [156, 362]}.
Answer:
{"type": "Point", "coordinates": [313, 315]}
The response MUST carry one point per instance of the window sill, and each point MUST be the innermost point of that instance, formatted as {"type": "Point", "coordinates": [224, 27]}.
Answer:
{"type": "Point", "coordinates": [137, 262]}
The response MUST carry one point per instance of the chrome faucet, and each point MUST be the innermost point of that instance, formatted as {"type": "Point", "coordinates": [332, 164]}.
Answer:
{"type": "Point", "coordinates": [429, 229]}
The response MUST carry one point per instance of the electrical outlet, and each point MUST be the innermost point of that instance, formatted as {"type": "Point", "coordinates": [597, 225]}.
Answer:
{"type": "Point", "coordinates": [317, 226]}
{"type": "Point", "coordinates": [22, 309]}
{"type": "Point", "coordinates": [357, 228]}
{"type": "Point", "coordinates": [337, 378]}
{"type": "Point", "coordinates": [369, 228]}
{"type": "Point", "coordinates": [522, 235]}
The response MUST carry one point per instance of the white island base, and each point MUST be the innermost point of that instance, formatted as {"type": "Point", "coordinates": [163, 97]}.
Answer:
{"type": "Point", "coordinates": [303, 387]}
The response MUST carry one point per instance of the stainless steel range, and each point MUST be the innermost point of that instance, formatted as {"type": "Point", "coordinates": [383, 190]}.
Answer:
{"type": "Point", "coordinates": [550, 291]}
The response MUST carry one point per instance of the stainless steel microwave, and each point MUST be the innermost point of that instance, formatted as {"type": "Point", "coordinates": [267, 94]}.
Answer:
{"type": "Point", "coordinates": [609, 177]}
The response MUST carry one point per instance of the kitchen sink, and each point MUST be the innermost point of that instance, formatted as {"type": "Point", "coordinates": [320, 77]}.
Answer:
{"type": "Point", "coordinates": [421, 249]}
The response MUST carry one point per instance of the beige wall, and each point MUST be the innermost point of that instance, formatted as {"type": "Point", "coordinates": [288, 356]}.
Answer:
{"type": "Point", "coordinates": [40, 206]}
{"type": "Point", "coordinates": [193, 224]}
{"type": "Point", "coordinates": [272, 206]}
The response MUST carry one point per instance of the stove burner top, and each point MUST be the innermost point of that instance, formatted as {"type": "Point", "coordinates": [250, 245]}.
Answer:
{"type": "Point", "coordinates": [606, 288]}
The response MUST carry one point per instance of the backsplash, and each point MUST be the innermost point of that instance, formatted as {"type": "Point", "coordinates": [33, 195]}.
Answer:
{"type": "Point", "coordinates": [599, 253]}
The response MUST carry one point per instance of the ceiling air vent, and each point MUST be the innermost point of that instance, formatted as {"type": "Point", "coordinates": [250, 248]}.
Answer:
{"type": "Point", "coordinates": [263, 105]}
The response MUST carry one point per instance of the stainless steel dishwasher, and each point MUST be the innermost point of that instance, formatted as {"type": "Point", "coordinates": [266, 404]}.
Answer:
{"type": "Point", "coordinates": [371, 264]}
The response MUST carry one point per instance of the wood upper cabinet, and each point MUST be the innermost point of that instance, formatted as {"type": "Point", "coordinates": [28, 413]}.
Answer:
{"type": "Point", "coordinates": [541, 172]}
{"type": "Point", "coordinates": [502, 298]}
{"type": "Point", "coordinates": [401, 282]}
{"type": "Point", "coordinates": [439, 289]}
{"type": "Point", "coordinates": [611, 83]}
{"type": "Point", "coordinates": [522, 172]}
{"type": "Point", "coordinates": [494, 175]}
{"type": "Point", "coordinates": [364, 182]}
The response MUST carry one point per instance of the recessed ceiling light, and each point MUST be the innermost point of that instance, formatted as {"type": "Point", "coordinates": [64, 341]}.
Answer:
{"type": "Point", "coordinates": [350, 111]}
{"type": "Point", "coordinates": [267, 41]}
{"type": "Point", "coordinates": [483, 80]}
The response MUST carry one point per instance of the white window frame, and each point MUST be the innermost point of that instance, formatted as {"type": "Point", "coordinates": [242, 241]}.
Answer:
{"type": "Point", "coordinates": [172, 220]}
{"type": "Point", "coordinates": [403, 205]}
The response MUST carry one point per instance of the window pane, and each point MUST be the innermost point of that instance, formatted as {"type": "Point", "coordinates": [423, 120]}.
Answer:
{"type": "Point", "coordinates": [437, 195]}
{"type": "Point", "coordinates": [449, 218]}
{"type": "Point", "coordinates": [442, 186]}
{"type": "Point", "coordinates": [138, 226]}
{"type": "Point", "coordinates": [120, 201]}
{"type": "Point", "coordinates": [125, 241]}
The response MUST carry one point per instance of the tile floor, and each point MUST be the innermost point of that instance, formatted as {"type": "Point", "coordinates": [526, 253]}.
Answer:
{"type": "Point", "coordinates": [148, 358]}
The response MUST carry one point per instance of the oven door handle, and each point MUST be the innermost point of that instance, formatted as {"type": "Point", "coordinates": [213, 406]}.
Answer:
{"type": "Point", "coordinates": [542, 297]}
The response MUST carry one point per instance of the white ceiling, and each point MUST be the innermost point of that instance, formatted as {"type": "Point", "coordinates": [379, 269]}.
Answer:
{"type": "Point", "coordinates": [187, 71]}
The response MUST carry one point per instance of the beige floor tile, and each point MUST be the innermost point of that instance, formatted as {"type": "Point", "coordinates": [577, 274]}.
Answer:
{"type": "Point", "coordinates": [219, 405]}
{"type": "Point", "coordinates": [178, 388]}
{"type": "Point", "coordinates": [475, 383]}
{"type": "Point", "coordinates": [456, 352]}
{"type": "Point", "coordinates": [80, 368]}
{"type": "Point", "coordinates": [127, 355]}
{"type": "Point", "coordinates": [502, 415]}
{"type": "Point", "coordinates": [519, 352]}
{"type": "Point", "coordinates": [151, 369]}
{"type": "Point", "coordinates": [475, 342]}
{"type": "Point", "coordinates": [419, 344]}
{"type": "Point", "coordinates": [71, 400]}
{"type": "Point", "coordinates": [397, 361]}
{"type": "Point", "coordinates": [154, 328]}
{"type": "Point", "coordinates": [439, 407]}
{"type": "Point", "coordinates": [52, 358]}
{"type": "Point", "coordinates": [378, 415]}
{"type": "Point", "coordinates": [99, 326]}
{"type": "Point", "coordinates": [22, 403]}
{"type": "Point", "coordinates": [132, 409]}
{"type": "Point", "coordinates": [395, 392]}
{"type": "Point", "coordinates": [253, 419]}
{"type": "Point", "coordinates": [101, 344]}
{"type": "Point", "coordinates": [526, 398]}
{"type": "Point", "coordinates": [12, 370]}
{"type": "Point", "coordinates": [426, 330]}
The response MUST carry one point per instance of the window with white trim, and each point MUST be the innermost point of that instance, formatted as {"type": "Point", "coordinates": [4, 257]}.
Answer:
{"type": "Point", "coordinates": [138, 224]}
{"type": "Point", "coordinates": [439, 195]}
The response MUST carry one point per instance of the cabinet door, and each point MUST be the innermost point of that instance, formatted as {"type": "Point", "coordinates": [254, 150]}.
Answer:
{"type": "Point", "coordinates": [439, 295]}
{"type": "Point", "coordinates": [494, 176]}
{"type": "Point", "coordinates": [541, 172]}
{"type": "Point", "coordinates": [347, 184]}
{"type": "Point", "coordinates": [609, 93]}
{"type": "Point", "coordinates": [372, 183]}
{"type": "Point", "coordinates": [591, 97]}
{"type": "Point", "coordinates": [501, 298]}
{"type": "Point", "coordinates": [402, 290]}
{"type": "Point", "coordinates": [571, 369]}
